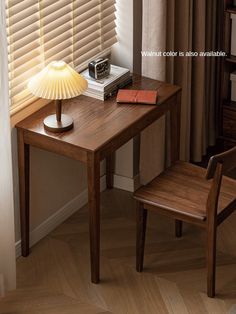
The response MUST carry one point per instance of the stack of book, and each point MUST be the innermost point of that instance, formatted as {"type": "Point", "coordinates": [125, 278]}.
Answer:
{"type": "Point", "coordinates": [102, 89]}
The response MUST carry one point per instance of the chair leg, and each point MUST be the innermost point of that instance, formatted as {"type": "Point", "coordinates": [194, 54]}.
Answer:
{"type": "Point", "coordinates": [211, 261]}
{"type": "Point", "coordinates": [140, 235]}
{"type": "Point", "coordinates": [178, 228]}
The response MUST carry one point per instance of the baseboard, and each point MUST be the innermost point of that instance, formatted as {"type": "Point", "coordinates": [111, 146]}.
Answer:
{"type": "Point", "coordinates": [56, 219]}
{"type": "Point", "coordinates": [71, 207]}
{"type": "Point", "coordinates": [125, 183]}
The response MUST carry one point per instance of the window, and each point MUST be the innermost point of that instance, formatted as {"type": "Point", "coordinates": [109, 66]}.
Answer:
{"type": "Point", "coordinates": [40, 31]}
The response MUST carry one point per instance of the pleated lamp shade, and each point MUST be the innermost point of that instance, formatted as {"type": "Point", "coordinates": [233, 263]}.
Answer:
{"type": "Point", "coordinates": [57, 81]}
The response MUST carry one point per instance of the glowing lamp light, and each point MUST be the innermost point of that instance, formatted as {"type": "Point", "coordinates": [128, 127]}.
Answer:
{"type": "Point", "coordinates": [57, 81]}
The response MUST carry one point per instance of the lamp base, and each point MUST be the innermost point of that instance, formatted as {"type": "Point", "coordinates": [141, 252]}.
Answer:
{"type": "Point", "coordinates": [51, 124]}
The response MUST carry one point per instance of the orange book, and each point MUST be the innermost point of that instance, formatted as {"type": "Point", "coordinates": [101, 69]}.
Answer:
{"type": "Point", "coordinates": [137, 96]}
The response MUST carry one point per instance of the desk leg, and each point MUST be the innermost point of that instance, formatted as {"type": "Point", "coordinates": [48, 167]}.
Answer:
{"type": "Point", "coordinates": [93, 173]}
{"type": "Point", "coordinates": [24, 163]}
{"type": "Point", "coordinates": [110, 166]}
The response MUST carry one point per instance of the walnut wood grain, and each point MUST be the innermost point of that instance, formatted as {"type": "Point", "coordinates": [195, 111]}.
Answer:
{"type": "Point", "coordinates": [55, 279]}
{"type": "Point", "coordinates": [189, 193]}
{"type": "Point", "coordinates": [141, 219]}
{"type": "Point", "coordinates": [96, 123]}
{"type": "Point", "coordinates": [211, 211]}
{"type": "Point", "coordinates": [110, 167]}
{"type": "Point", "coordinates": [93, 174]}
{"type": "Point", "coordinates": [100, 128]}
{"type": "Point", "coordinates": [188, 188]}
{"type": "Point", "coordinates": [227, 159]}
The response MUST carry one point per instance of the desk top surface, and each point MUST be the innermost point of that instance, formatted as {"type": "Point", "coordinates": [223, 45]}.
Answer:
{"type": "Point", "coordinates": [98, 122]}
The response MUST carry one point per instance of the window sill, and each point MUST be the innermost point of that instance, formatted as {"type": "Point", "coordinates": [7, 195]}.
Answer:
{"type": "Point", "coordinates": [24, 112]}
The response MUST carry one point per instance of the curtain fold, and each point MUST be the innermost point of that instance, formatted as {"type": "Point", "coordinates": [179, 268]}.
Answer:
{"type": "Point", "coordinates": [185, 25]}
{"type": "Point", "coordinates": [152, 144]}
{"type": "Point", "coordinates": [194, 29]}
{"type": "Point", "coordinates": [7, 237]}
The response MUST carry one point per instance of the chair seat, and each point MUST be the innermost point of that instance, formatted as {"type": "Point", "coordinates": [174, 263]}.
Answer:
{"type": "Point", "coordinates": [183, 189]}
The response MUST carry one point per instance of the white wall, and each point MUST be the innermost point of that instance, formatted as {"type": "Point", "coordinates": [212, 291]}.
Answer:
{"type": "Point", "coordinates": [54, 182]}
{"type": "Point", "coordinates": [122, 51]}
{"type": "Point", "coordinates": [122, 54]}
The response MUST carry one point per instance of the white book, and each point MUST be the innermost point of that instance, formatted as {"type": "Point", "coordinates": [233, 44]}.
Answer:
{"type": "Point", "coordinates": [100, 85]}
{"type": "Point", "coordinates": [110, 87]}
{"type": "Point", "coordinates": [104, 95]}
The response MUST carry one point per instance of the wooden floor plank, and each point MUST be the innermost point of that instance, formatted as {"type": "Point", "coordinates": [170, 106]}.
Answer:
{"type": "Point", "coordinates": [55, 278]}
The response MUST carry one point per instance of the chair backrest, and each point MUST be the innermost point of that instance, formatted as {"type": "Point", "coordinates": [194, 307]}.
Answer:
{"type": "Point", "coordinates": [218, 165]}
{"type": "Point", "coordinates": [227, 159]}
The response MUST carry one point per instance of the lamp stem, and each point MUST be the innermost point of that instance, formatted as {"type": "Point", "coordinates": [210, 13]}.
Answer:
{"type": "Point", "coordinates": [58, 109]}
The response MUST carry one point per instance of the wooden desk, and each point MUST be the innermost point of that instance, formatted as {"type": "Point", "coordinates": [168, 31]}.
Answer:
{"type": "Point", "coordinates": [100, 128]}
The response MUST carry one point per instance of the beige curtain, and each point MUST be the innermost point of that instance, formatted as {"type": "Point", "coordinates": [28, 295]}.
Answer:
{"type": "Point", "coordinates": [152, 145]}
{"type": "Point", "coordinates": [7, 237]}
{"type": "Point", "coordinates": [187, 25]}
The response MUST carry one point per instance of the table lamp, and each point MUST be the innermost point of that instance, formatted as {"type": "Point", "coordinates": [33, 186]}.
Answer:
{"type": "Point", "coordinates": [57, 81]}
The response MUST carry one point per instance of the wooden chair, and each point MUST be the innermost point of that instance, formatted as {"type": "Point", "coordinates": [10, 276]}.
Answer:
{"type": "Point", "coordinates": [189, 193]}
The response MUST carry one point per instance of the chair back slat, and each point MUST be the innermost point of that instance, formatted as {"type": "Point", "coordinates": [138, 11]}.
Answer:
{"type": "Point", "coordinates": [213, 196]}
{"type": "Point", "coordinates": [227, 159]}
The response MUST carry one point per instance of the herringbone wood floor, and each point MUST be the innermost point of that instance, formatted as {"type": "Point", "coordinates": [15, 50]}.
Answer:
{"type": "Point", "coordinates": [55, 278]}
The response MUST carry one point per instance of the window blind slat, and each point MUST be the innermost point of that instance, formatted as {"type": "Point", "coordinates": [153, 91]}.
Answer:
{"type": "Point", "coordinates": [82, 34]}
{"type": "Point", "coordinates": [106, 10]}
{"type": "Point", "coordinates": [62, 55]}
{"type": "Point", "coordinates": [22, 14]}
{"type": "Point", "coordinates": [54, 25]}
{"type": "Point", "coordinates": [81, 42]}
{"type": "Point", "coordinates": [39, 32]}
{"type": "Point", "coordinates": [52, 41]}
{"type": "Point", "coordinates": [58, 37]}
{"type": "Point", "coordinates": [84, 49]}
{"type": "Point", "coordinates": [86, 8]}
{"type": "Point", "coordinates": [25, 24]}
{"type": "Point", "coordinates": [80, 19]}
{"type": "Point", "coordinates": [90, 6]}
{"type": "Point", "coordinates": [20, 83]}
{"type": "Point", "coordinates": [61, 46]}
{"type": "Point", "coordinates": [108, 24]}
{"type": "Point", "coordinates": [108, 43]}
{"type": "Point", "coordinates": [108, 27]}
{"type": "Point", "coordinates": [108, 35]}
{"type": "Point", "coordinates": [22, 100]}
{"type": "Point", "coordinates": [108, 19]}
{"type": "Point", "coordinates": [55, 14]}
{"type": "Point", "coordinates": [52, 5]}
{"type": "Point", "coordinates": [24, 63]}
{"type": "Point", "coordinates": [88, 55]}
{"type": "Point", "coordinates": [29, 42]}
{"type": "Point", "coordinates": [83, 25]}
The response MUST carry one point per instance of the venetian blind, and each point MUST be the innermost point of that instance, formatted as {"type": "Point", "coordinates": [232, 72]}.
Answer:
{"type": "Point", "coordinates": [40, 31]}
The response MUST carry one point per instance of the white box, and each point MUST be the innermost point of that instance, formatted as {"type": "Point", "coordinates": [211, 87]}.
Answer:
{"type": "Point", "coordinates": [233, 86]}
{"type": "Point", "coordinates": [233, 35]}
